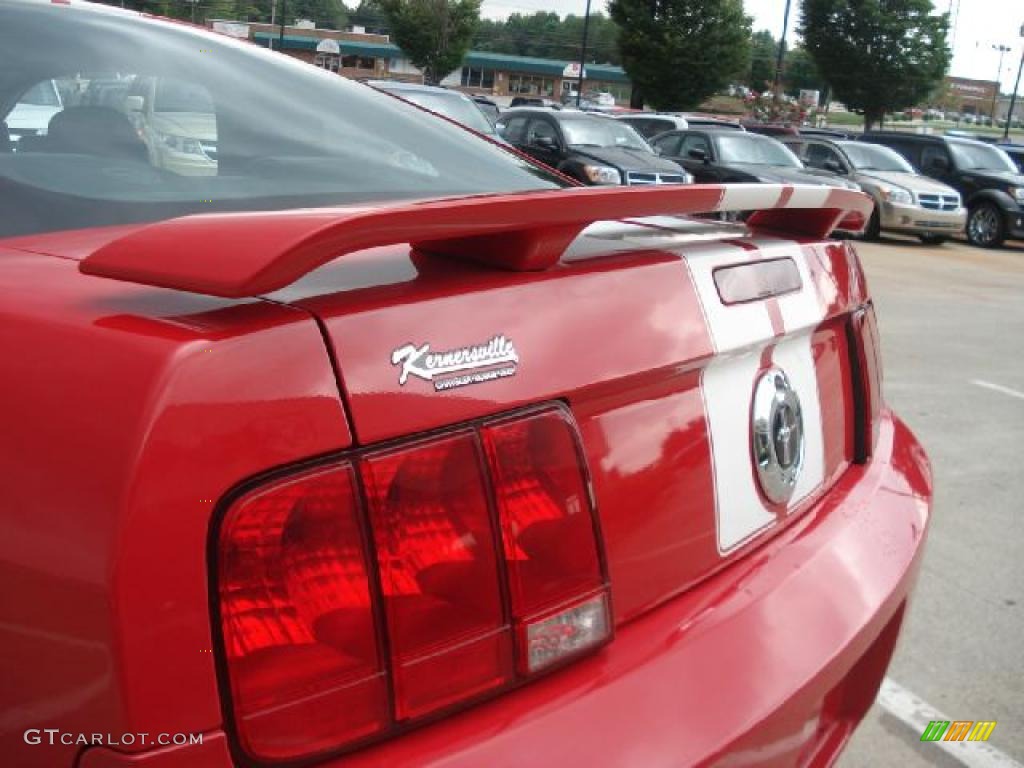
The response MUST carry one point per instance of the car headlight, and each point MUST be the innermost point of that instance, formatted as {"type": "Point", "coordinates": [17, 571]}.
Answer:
{"type": "Point", "coordinates": [1017, 193]}
{"type": "Point", "coordinates": [183, 144]}
{"type": "Point", "coordinates": [602, 174]}
{"type": "Point", "coordinates": [897, 195]}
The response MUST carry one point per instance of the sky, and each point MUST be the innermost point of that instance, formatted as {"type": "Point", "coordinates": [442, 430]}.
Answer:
{"type": "Point", "coordinates": [980, 25]}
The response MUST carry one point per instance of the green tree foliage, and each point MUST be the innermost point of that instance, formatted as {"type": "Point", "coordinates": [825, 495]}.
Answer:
{"type": "Point", "coordinates": [763, 51]}
{"type": "Point", "coordinates": [680, 52]}
{"type": "Point", "coordinates": [878, 55]}
{"type": "Point", "coordinates": [434, 34]}
{"type": "Point", "coordinates": [546, 35]}
{"type": "Point", "coordinates": [370, 15]}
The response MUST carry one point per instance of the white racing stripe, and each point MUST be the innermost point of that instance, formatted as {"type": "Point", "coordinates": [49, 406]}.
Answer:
{"type": "Point", "coordinates": [916, 714]}
{"type": "Point", "coordinates": [998, 388]}
{"type": "Point", "coordinates": [739, 334]}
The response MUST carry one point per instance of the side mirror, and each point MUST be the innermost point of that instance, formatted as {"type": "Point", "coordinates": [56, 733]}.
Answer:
{"type": "Point", "coordinates": [545, 142]}
{"type": "Point", "coordinates": [698, 154]}
{"type": "Point", "coordinates": [834, 166]}
{"type": "Point", "coordinates": [134, 103]}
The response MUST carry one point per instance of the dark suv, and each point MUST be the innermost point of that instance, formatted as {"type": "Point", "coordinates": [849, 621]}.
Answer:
{"type": "Point", "coordinates": [990, 184]}
{"type": "Point", "coordinates": [591, 148]}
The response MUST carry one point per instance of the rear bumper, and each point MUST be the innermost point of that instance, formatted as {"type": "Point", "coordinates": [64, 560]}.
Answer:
{"type": "Point", "coordinates": [773, 661]}
{"type": "Point", "coordinates": [913, 219]}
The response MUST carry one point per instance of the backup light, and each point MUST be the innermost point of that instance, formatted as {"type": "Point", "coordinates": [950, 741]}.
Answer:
{"type": "Point", "coordinates": [361, 597]}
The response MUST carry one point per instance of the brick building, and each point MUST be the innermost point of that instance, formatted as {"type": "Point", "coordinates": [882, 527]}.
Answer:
{"type": "Point", "coordinates": [358, 54]}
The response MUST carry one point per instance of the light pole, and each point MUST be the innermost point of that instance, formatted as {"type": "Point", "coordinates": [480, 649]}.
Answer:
{"type": "Point", "coordinates": [777, 85]}
{"type": "Point", "coordinates": [583, 55]}
{"type": "Point", "coordinates": [1013, 96]}
{"type": "Point", "coordinates": [1003, 50]}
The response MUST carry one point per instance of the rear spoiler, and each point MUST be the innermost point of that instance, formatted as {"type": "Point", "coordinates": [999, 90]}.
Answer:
{"type": "Point", "coordinates": [248, 254]}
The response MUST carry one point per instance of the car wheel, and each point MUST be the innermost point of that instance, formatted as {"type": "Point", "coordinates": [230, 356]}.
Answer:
{"type": "Point", "coordinates": [932, 239]}
{"type": "Point", "coordinates": [985, 226]}
{"type": "Point", "coordinates": [874, 228]}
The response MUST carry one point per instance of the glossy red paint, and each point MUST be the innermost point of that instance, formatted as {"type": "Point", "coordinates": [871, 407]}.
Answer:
{"type": "Point", "coordinates": [769, 663]}
{"type": "Point", "coordinates": [246, 254]}
{"type": "Point", "coordinates": [131, 411]}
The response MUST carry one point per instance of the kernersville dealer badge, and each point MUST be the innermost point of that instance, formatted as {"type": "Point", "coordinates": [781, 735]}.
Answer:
{"type": "Point", "coordinates": [495, 359]}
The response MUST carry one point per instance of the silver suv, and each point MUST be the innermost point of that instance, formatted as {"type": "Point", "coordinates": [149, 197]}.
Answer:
{"type": "Point", "coordinates": [906, 202]}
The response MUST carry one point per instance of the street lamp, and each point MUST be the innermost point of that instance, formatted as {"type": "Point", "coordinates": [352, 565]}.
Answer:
{"type": "Point", "coordinates": [1013, 96]}
{"type": "Point", "coordinates": [1003, 50]}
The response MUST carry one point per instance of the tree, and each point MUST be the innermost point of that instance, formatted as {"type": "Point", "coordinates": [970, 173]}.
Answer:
{"type": "Point", "coordinates": [878, 55]}
{"type": "Point", "coordinates": [545, 35]}
{"type": "Point", "coordinates": [680, 52]}
{"type": "Point", "coordinates": [434, 34]}
{"type": "Point", "coordinates": [763, 51]}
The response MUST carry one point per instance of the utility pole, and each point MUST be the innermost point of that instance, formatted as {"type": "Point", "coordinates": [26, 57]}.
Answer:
{"type": "Point", "coordinates": [1003, 50]}
{"type": "Point", "coordinates": [273, 20]}
{"type": "Point", "coordinates": [583, 55]}
{"type": "Point", "coordinates": [777, 85]}
{"type": "Point", "coordinates": [280, 35]}
{"type": "Point", "coordinates": [1013, 96]}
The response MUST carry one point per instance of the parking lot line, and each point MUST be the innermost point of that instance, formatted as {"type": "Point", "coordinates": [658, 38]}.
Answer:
{"type": "Point", "coordinates": [916, 714]}
{"type": "Point", "coordinates": [998, 388]}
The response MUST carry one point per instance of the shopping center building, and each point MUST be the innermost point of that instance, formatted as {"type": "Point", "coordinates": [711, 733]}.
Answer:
{"type": "Point", "coordinates": [361, 55]}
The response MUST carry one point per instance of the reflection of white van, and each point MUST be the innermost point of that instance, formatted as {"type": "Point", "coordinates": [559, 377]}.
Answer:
{"type": "Point", "coordinates": [177, 122]}
{"type": "Point", "coordinates": [31, 115]}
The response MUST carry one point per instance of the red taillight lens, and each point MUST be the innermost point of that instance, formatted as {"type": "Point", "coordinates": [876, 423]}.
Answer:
{"type": "Point", "coordinates": [439, 573]}
{"type": "Point", "coordinates": [866, 359]}
{"type": "Point", "coordinates": [297, 619]}
{"type": "Point", "coordinates": [475, 562]}
{"type": "Point", "coordinates": [548, 529]}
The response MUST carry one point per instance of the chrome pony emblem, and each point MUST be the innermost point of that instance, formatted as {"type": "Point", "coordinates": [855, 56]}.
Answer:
{"type": "Point", "coordinates": [453, 368]}
{"type": "Point", "coordinates": [778, 435]}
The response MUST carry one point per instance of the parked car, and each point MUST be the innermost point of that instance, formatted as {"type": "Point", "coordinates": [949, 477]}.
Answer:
{"type": "Point", "coordinates": [386, 446]}
{"type": "Point", "coordinates": [650, 124]}
{"type": "Point", "coordinates": [590, 148]}
{"type": "Point", "coordinates": [826, 133]}
{"type": "Point", "coordinates": [451, 104]}
{"type": "Point", "coordinates": [716, 157]}
{"type": "Point", "coordinates": [490, 108]}
{"type": "Point", "coordinates": [534, 101]}
{"type": "Point", "coordinates": [33, 110]}
{"type": "Point", "coordinates": [772, 129]}
{"type": "Point", "coordinates": [175, 118]}
{"type": "Point", "coordinates": [695, 120]}
{"type": "Point", "coordinates": [599, 98]}
{"type": "Point", "coordinates": [905, 201]}
{"type": "Point", "coordinates": [1016, 153]}
{"type": "Point", "coordinates": [989, 183]}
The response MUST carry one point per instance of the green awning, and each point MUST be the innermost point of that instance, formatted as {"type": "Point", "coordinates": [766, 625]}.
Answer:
{"type": "Point", "coordinates": [349, 47]}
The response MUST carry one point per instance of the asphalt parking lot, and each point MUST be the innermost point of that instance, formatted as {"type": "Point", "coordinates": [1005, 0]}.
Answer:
{"type": "Point", "coordinates": [952, 325]}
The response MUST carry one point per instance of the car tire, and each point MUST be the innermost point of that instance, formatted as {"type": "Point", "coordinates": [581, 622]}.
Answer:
{"type": "Point", "coordinates": [986, 227]}
{"type": "Point", "coordinates": [874, 228]}
{"type": "Point", "coordinates": [932, 239]}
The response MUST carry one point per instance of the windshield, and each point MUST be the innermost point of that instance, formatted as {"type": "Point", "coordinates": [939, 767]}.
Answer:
{"type": "Point", "coordinates": [979, 157]}
{"type": "Point", "coordinates": [451, 105]}
{"type": "Point", "coordinates": [755, 150]}
{"type": "Point", "coordinates": [601, 132]}
{"type": "Point", "coordinates": [871, 157]}
{"type": "Point", "coordinates": [254, 131]}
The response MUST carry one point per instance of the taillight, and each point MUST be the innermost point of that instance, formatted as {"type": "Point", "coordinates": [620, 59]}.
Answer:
{"type": "Point", "coordinates": [297, 619]}
{"type": "Point", "coordinates": [449, 637]}
{"type": "Point", "coordinates": [866, 364]}
{"type": "Point", "coordinates": [557, 585]}
{"type": "Point", "coordinates": [454, 567]}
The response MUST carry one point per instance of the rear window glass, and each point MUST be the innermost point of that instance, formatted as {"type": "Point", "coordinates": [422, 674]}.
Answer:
{"type": "Point", "coordinates": [161, 120]}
